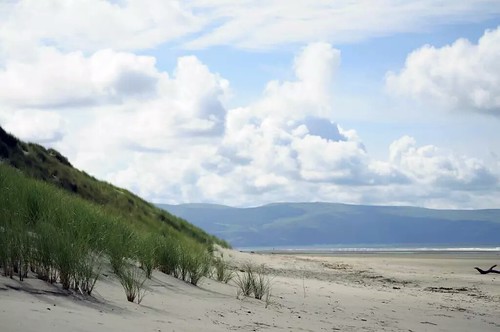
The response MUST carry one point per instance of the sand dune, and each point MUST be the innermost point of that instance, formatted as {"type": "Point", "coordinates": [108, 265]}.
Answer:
{"type": "Point", "coordinates": [435, 292]}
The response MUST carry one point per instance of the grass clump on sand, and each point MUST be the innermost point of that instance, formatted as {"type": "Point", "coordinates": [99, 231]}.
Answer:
{"type": "Point", "coordinates": [132, 280]}
{"type": "Point", "coordinates": [198, 262]}
{"type": "Point", "coordinates": [60, 237]}
{"type": "Point", "coordinates": [14, 251]}
{"type": "Point", "coordinates": [253, 280]}
{"type": "Point", "coordinates": [147, 253]}
{"type": "Point", "coordinates": [184, 259]}
{"type": "Point", "coordinates": [222, 271]}
{"type": "Point", "coordinates": [169, 256]}
{"type": "Point", "coordinates": [43, 230]}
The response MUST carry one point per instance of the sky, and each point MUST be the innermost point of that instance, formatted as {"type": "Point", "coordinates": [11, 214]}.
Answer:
{"type": "Point", "coordinates": [245, 103]}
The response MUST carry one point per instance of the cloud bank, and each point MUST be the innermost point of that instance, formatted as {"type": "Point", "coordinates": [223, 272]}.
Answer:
{"type": "Point", "coordinates": [77, 83]}
{"type": "Point", "coordinates": [171, 138]}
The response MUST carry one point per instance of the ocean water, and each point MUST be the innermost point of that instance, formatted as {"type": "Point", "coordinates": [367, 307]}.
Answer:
{"type": "Point", "coordinates": [379, 248]}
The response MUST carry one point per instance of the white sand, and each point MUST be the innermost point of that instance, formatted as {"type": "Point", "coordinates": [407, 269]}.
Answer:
{"type": "Point", "coordinates": [310, 293]}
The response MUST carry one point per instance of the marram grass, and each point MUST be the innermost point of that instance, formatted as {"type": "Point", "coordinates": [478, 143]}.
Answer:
{"type": "Point", "coordinates": [61, 238]}
{"type": "Point", "coordinates": [222, 270]}
{"type": "Point", "coordinates": [253, 280]}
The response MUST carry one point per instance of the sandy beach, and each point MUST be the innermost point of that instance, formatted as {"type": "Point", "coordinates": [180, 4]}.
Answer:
{"type": "Point", "coordinates": [347, 292]}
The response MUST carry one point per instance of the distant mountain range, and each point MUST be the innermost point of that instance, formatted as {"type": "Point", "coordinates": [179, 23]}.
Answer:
{"type": "Point", "coordinates": [303, 224]}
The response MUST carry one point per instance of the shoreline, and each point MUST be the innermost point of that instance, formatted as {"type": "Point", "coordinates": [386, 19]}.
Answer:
{"type": "Point", "coordinates": [374, 250]}
{"type": "Point", "coordinates": [385, 253]}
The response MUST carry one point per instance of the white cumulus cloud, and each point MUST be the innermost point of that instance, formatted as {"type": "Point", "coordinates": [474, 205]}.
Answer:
{"type": "Point", "coordinates": [430, 165]}
{"type": "Point", "coordinates": [463, 75]}
{"type": "Point", "coordinates": [51, 79]}
{"type": "Point", "coordinates": [290, 131]}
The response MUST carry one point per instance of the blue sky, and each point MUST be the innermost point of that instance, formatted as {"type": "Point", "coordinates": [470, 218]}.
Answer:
{"type": "Point", "coordinates": [364, 63]}
{"type": "Point", "coordinates": [247, 103]}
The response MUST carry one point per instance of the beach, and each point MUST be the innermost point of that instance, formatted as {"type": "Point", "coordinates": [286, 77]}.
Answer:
{"type": "Point", "coordinates": [310, 292]}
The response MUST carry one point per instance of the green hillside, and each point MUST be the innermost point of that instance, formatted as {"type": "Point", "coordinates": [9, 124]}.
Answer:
{"type": "Point", "coordinates": [51, 167]}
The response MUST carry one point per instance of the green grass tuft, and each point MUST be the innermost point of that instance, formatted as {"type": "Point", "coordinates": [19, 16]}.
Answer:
{"type": "Point", "coordinates": [253, 280]}
{"type": "Point", "coordinates": [132, 280]}
{"type": "Point", "coordinates": [223, 271]}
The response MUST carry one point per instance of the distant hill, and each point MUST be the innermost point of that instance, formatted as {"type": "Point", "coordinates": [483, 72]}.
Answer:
{"type": "Point", "coordinates": [50, 166]}
{"type": "Point", "coordinates": [294, 224]}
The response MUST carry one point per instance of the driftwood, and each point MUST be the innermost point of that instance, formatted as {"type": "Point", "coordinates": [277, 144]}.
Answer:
{"type": "Point", "coordinates": [490, 270]}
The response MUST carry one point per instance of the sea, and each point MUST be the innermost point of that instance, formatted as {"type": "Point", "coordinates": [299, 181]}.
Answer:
{"type": "Point", "coordinates": [376, 249]}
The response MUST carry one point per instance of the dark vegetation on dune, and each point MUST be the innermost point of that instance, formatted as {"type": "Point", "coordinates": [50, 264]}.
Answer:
{"type": "Point", "coordinates": [63, 226]}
